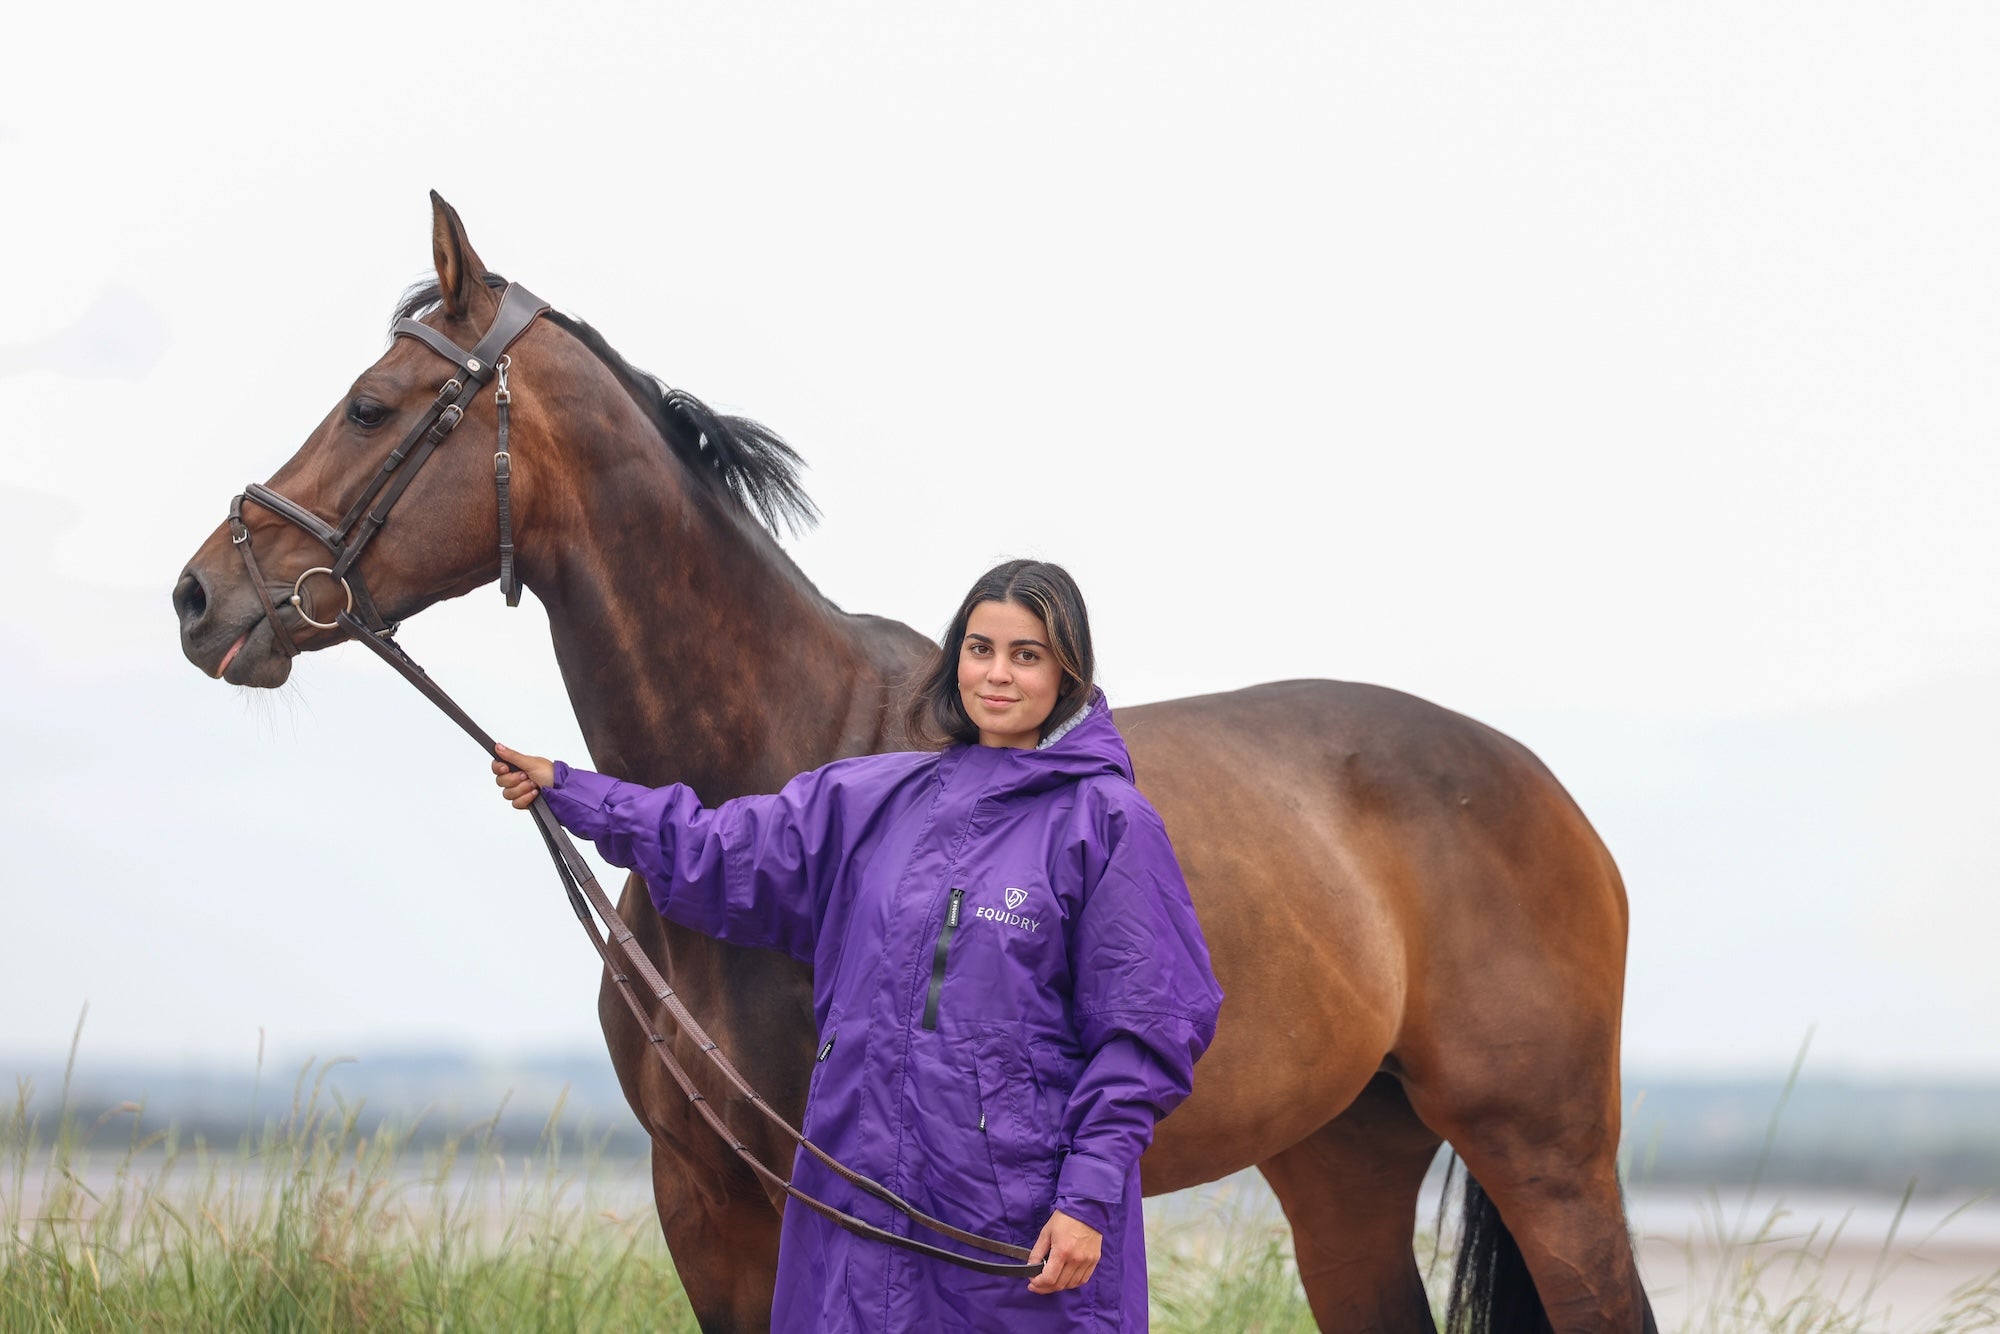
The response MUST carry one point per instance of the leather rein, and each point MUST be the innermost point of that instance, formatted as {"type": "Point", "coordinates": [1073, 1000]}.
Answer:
{"type": "Point", "coordinates": [345, 541]}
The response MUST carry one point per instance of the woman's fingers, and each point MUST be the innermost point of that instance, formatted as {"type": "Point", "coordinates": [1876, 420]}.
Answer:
{"type": "Point", "coordinates": [1041, 1282]}
{"type": "Point", "coordinates": [520, 777]}
{"type": "Point", "coordinates": [1063, 1274]}
{"type": "Point", "coordinates": [518, 787]}
{"type": "Point", "coordinates": [1071, 1248]}
{"type": "Point", "coordinates": [535, 767]}
{"type": "Point", "coordinates": [1057, 1274]}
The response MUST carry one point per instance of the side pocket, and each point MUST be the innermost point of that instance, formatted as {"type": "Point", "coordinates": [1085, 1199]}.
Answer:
{"type": "Point", "coordinates": [1055, 1080]}
{"type": "Point", "coordinates": [829, 1042]}
{"type": "Point", "coordinates": [1023, 1146]}
{"type": "Point", "coordinates": [953, 1135]}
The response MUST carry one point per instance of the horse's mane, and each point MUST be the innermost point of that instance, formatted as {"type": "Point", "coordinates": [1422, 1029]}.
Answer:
{"type": "Point", "coordinates": [742, 459]}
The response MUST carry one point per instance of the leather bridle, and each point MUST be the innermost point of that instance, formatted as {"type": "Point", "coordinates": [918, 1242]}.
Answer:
{"type": "Point", "coordinates": [519, 308]}
{"type": "Point", "coordinates": [347, 539]}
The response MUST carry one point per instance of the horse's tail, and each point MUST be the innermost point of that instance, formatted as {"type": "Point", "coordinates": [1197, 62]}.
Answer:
{"type": "Point", "coordinates": [1492, 1291]}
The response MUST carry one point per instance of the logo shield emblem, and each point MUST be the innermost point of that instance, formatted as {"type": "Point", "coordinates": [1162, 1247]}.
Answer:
{"type": "Point", "coordinates": [1015, 898]}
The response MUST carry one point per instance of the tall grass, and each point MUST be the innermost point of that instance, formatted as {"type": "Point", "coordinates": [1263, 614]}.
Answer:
{"type": "Point", "coordinates": [1768, 1271]}
{"type": "Point", "coordinates": [1752, 1273]}
{"type": "Point", "coordinates": [1785, 1276]}
{"type": "Point", "coordinates": [314, 1221]}
{"type": "Point", "coordinates": [1229, 1273]}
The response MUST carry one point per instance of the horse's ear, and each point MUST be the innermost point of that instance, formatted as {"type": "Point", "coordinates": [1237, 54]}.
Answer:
{"type": "Point", "coordinates": [461, 273]}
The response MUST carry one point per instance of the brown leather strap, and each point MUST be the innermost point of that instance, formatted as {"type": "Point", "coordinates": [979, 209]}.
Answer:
{"type": "Point", "coordinates": [347, 539]}
{"type": "Point", "coordinates": [239, 533]}
{"type": "Point", "coordinates": [449, 403]}
{"type": "Point", "coordinates": [436, 341]}
{"type": "Point", "coordinates": [587, 896]}
{"type": "Point", "coordinates": [503, 475]}
{"type": "Point", "coordinates": [519, 308]}
{"type": "Point", "coordinates": [293, 513]}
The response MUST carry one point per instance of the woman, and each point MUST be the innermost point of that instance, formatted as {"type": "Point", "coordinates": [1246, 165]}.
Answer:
{"type": "Point", "coordinates": [1009, 981]}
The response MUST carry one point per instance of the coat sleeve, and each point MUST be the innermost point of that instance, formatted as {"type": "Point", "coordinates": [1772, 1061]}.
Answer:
{"type": "Point", "coordinates": [752, 871]}
{"type": "Point", "coordinates": [1145, 1004]}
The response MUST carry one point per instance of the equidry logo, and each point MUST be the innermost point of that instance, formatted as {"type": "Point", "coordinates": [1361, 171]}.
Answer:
{"type": "Point", "coordinates": [1007, 916]}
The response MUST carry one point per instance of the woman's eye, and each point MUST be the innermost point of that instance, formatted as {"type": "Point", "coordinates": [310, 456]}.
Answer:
{"type": "Point", "coordinates": [365, 412]}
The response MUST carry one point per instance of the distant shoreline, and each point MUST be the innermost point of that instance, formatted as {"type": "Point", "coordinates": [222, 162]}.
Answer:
{"type": "Point", "coordinates": [1839, 1135]}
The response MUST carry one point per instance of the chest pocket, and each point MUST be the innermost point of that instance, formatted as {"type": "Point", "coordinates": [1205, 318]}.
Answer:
{"type": "Point", "coordinates": [1008, 965]}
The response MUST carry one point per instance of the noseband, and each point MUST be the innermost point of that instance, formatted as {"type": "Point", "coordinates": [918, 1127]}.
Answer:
{"type": "Point", "coordinates": [346, 540]}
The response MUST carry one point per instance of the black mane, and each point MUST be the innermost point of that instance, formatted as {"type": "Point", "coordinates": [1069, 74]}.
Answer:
{"type": "Point", "coordinates": [744, 460]}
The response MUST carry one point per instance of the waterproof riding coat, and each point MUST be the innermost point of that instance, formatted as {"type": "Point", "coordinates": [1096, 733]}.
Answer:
{"type": "Point", "coordinates": [1010, 987]}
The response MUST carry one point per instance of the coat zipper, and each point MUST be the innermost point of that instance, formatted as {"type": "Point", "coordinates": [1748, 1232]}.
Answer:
{"type": "Point", "coordinates": [826, 1051]}
{"type": "Point", "coordinates": [938, 958]}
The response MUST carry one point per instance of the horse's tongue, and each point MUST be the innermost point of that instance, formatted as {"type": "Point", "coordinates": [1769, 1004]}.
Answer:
{"type": "Point", "coordinates": [230, 656]}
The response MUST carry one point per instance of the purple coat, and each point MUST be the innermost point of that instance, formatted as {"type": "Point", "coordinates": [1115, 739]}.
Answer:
{"type": "Point", "coordinates": [1010, 987]}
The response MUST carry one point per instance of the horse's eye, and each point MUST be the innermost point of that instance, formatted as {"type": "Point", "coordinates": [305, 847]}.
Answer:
{"type": "Point", "coordinates": [366, 412]}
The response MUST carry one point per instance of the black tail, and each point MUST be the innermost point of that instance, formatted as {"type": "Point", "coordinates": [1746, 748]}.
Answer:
{"type": "Point", "coordinates": [1491, 1289]}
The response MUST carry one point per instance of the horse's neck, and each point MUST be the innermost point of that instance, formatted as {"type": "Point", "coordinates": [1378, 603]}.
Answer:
{"type": "Point", "coordinates": [696, 652]}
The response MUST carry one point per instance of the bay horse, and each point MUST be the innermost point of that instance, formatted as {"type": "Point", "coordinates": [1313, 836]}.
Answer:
{"type": "Point", "coordinates": [1420, 937]}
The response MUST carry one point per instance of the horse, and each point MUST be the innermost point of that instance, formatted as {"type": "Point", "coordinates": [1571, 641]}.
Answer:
{"type": "Point", "coordinates": [1420, 937]}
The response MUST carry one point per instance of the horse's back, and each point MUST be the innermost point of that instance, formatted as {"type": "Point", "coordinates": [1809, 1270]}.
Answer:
{"type": "Point", "coordinates": [1381, 881]}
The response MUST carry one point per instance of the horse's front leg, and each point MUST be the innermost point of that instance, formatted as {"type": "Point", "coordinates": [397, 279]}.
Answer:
{"type": "Point", "coordinates": [723, 1235]}
{"type": "Point", "coordinates": [720, 1224]}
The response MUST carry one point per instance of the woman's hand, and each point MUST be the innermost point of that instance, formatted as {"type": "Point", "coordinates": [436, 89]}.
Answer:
{"type": "Point", "coordinates": [1071, 1250]}
{"type": "Point", "coordinates": [521, 777]}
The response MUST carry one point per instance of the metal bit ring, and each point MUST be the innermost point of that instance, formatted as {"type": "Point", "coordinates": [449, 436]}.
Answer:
{"type": "Point", "coordinates": [298, 603]}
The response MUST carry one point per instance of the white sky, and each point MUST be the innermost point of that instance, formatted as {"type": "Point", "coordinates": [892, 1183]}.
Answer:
{"type": "Point", "coordinates": [1619, 376]}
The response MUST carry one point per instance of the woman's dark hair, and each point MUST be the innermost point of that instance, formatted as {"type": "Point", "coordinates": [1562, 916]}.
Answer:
{"type": "Point", "coordinates": [937, 717]}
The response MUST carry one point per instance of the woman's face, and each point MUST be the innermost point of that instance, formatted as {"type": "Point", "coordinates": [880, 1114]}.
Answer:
{"type": "Point", "coordinates": [1007, 677]}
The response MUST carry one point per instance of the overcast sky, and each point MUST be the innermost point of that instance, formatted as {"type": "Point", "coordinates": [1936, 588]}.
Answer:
{"type": "Point", "coordinates": [1620, 376]}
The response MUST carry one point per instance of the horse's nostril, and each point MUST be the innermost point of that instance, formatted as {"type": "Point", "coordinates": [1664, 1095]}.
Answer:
{"type": "Point", "coordinates": [190, 598]}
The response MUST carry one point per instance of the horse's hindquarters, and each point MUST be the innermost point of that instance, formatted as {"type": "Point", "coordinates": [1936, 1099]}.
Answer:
{"type": "Point", "coordinates": [1387, 886]}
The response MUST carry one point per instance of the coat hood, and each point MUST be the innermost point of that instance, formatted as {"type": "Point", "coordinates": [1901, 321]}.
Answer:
{"type": "Point", "coordinates": [1087, 746]}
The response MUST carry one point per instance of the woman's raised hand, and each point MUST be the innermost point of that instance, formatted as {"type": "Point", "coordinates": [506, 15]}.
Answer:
{"type": "Point", "coordinates": [521, 777]}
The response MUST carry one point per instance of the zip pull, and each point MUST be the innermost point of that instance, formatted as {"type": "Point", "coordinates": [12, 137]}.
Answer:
{"type": "Point", "coordinates": [939, 955]}
{"type": "Point", "coordinates": [825, 1051]}
{"type": "Point", "coordinates": [982, 1121]}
